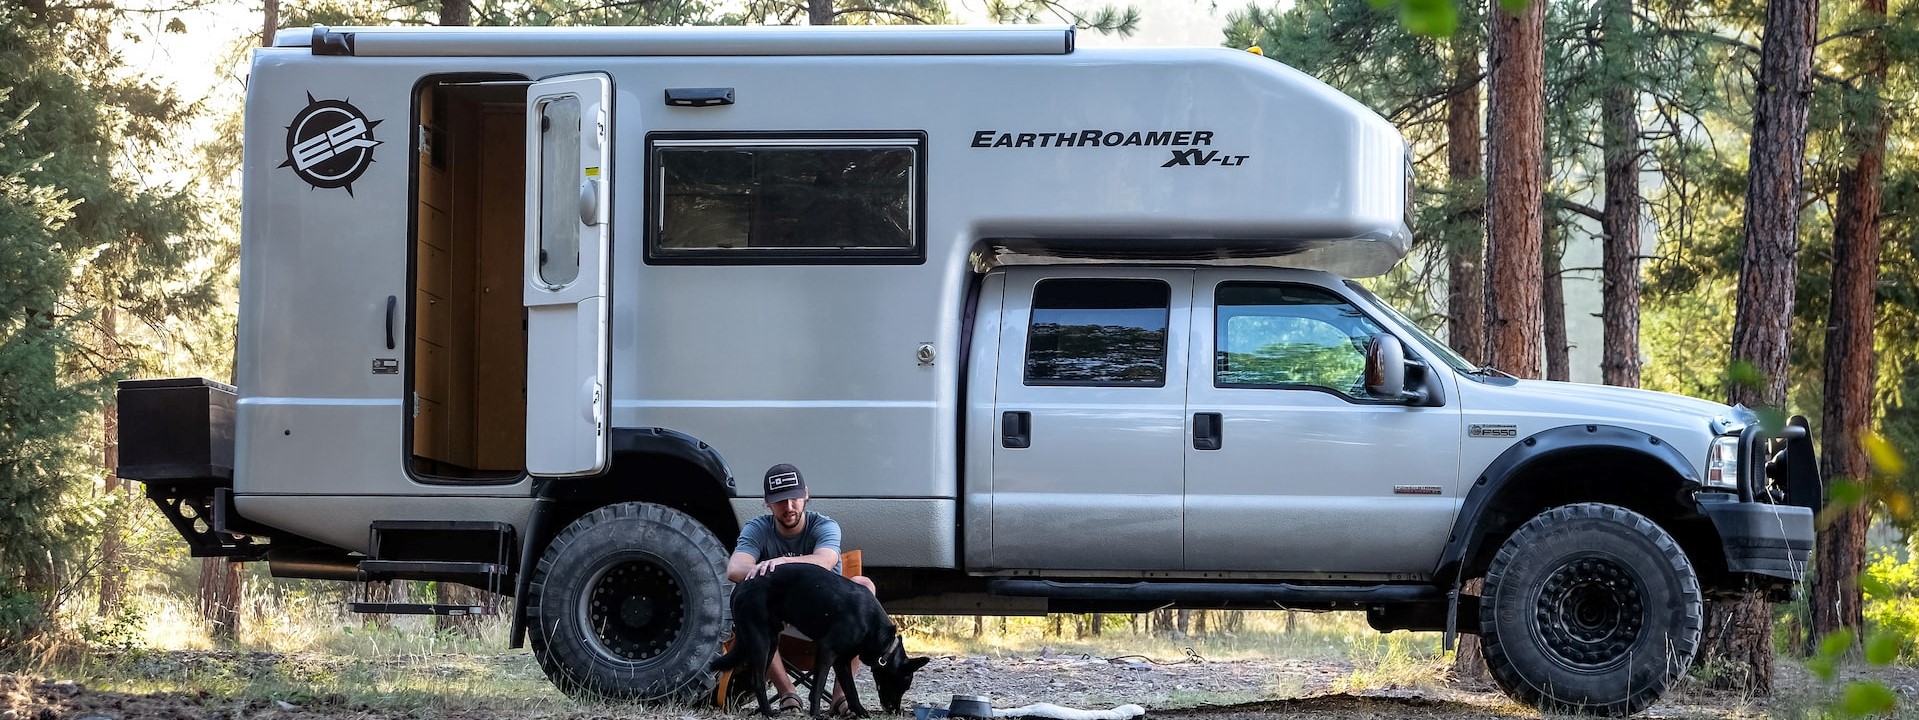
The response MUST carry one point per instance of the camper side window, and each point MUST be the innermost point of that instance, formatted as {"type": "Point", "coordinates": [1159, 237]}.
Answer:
{"type": "Point", "coordinates": [770, 200]}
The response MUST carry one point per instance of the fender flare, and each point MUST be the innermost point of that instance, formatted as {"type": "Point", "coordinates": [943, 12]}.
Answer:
{"type": "Point", "coordinates": [1505, 470]}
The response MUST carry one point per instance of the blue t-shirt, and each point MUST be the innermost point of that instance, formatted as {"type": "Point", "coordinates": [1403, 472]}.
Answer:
{"type": "Point", "coordinates": [761, 538]}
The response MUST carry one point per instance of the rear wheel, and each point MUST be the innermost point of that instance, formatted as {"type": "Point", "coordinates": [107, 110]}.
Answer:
{"type": "Point", "coordinates": [630, 602]}
{"type": "Point", "coordinates": [1590, 608]}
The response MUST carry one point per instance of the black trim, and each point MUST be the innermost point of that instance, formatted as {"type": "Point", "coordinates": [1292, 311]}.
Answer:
{"type": "Point", "coordinates": [328, 42]}
{"type": "Point", "coordinates": [699, 97]}
{"type": "Point", "coordinates": [1468, 531]}
{"type": "Point", "coordinates": [670, 443]}
{"type": "Point", "coordinates": [915, 255]}
{"type": "Point", "coordinates": [1225, 593]}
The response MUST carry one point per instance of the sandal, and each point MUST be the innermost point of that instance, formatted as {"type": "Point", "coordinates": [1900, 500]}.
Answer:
{"type": "Point", "coordinates": [840, 708]}
{"type": "Point", "coordinates": [788, 701]}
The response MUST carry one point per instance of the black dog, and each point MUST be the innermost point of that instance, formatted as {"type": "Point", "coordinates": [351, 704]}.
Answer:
{"type": "Point", "coordinates": [844, 620]}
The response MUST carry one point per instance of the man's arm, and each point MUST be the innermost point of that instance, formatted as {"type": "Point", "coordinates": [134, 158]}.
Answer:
{"type": "Point", "coordinates": [743, 566]}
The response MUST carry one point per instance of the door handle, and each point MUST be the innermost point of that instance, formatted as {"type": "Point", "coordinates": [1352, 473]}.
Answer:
{"type": "Point", "coordinates": [392, 301]}
{"type": "Point", "coordinates": [1016, 429]}
{"type": "Point", "coordinates": [1207, 431]}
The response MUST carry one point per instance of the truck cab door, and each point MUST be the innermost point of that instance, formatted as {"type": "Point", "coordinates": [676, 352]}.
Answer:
{"type": "Point", "coordinates": [569, 177]}
{"type": "Point", "coordinates": [1088, 468]}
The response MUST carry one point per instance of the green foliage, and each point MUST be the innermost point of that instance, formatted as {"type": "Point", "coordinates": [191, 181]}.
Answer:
{"type": "Point", "coordinates": [86, 238]}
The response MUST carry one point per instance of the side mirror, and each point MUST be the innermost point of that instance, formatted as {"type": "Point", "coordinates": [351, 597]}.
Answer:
{"type": "Point", "coordinates": [1386, 368]}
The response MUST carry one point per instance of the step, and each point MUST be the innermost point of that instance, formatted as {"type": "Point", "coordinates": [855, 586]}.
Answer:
{"type": "Point", "coordinates": [373, 608]}
{"type": "Point", "coordinates": [431, 567]}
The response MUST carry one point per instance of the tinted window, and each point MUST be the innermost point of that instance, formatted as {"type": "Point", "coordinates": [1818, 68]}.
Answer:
{"type": "Point", "coordinates": [741, 200]}
{"type": "Point", "coordinates": [560, 191]}
{"type": "Point", "coordinates": [1098, 332]}
{"type": "Point", "coordinates": [1272, 335]}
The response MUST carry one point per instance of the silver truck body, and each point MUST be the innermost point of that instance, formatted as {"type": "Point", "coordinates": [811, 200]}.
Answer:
{"type": "Point", "coordinates": [1047, 329]}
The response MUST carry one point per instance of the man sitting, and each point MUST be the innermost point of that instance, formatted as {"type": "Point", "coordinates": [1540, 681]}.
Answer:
{"type": "Point", "coordinates": [789, 533]}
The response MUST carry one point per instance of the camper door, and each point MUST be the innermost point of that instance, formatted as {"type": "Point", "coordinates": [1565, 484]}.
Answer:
{"type": "Point", "coordinates": [569, 174]}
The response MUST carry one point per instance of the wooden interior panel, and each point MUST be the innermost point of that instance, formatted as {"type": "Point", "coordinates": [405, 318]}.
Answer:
{"type": "Point", "coordinates": [469, 328]}
{"type": "Point", "coordinates": [499, 357]}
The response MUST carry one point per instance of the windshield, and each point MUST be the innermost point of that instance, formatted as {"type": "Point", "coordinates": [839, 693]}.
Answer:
{"type": "Point", "coordinates": [1445, 353]}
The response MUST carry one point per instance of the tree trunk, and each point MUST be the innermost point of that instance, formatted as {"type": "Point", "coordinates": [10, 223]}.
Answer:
{"type": "Point", "coordinates": [219, 598]}
{"type": "Point", "coordinates": [456, 12]}
{"type": "Point", "coordinates": [1552, 302]}
{"type": "Point", "coordinates": [819, 12]}
{"type": "Point", "coordinates": [113, 570]}
{"type": "Point", "coordinates": [1836, 599]}
{"type": "Point", "coordinates": [1516, 148]}
{"type": "Point", "coordinates": [1098, 620]}
{"type": "Point", "coordinates": [1739, 637]}
{"type": "Point", "coordinates": [1469, 657]}
{"type": "Point", "coordinates": [270, 23]}
{"type": "Point", "coordinates": [1619, 120]}
{"type": "Point", "coordinates": [1466, 167]}
{"type": "Point", "coordinates": [450, 593]}
{"type": "Point", "coordinates": [979, 626]}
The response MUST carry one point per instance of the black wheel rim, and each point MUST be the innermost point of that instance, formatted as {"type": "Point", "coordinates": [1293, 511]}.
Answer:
{"type": "Point", "coordinates": [1590, 614]}
{"type": "Point", "coordinates": [634, 609]}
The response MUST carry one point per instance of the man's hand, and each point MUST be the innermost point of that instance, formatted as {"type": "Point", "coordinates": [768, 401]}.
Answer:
{"type": "Point", "coordinates": [765, 567]}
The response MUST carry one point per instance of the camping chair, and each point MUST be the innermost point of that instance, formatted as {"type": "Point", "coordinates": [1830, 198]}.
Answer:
{"type": "Point", "coordinates": [796, 654]}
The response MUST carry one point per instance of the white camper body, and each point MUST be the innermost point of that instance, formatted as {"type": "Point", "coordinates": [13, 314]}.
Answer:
{"type": "Point", "coordinates": [1047, 329]}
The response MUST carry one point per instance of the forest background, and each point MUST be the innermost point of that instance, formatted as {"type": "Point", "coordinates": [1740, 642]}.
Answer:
{"type": "Point", "coordinates": [1742, 174]}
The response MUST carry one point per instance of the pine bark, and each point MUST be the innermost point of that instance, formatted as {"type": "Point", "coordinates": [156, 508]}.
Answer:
{"type": "Point", "coordinates": [456, 12]}
{"type": "Point", "coordinates": [1836, 599]}
{"type": "Point", "coordinates": [1619, 113]}
{"type": "Point", "coordinates": [1516, 148]}
{"type": "Point", "coordinates": [1552, 301]}
{"type": "Point", "coordinates": [219, 598]}
{"type": "Point", "coordinates": [113, 569]}
{"type": "Point", "coordinates": [270, 23]}
{"type": "Point", "coordinates": [1466, 167]}
{"type": "Point", "coordinates": [1739, 630]}
{"type": "Point", "coordinates": [819, 12]}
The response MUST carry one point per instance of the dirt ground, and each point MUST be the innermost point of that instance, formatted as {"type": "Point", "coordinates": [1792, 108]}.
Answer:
{"type": "Point", "coordinates": [1265, 689]}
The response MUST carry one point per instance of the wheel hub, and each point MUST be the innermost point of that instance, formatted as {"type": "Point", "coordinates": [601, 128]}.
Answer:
{"type": "Point", "coordinates": [634, 610]}
{"type": "Point", "coordinates": [1590, 613]}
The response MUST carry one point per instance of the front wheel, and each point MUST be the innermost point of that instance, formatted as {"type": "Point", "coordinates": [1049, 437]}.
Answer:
{"type": "Point", "coordinates": [1590, 608]}
{"type": "Point", "coordinates": [630, 603]}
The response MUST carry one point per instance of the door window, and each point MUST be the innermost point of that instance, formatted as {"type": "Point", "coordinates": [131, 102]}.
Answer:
{"type": "Point", "coordinates": [560, 191]}
{"type": "Point", "coordinates": [1289, 336]}
{"type": "Point", "coordinates": [1098, 332]}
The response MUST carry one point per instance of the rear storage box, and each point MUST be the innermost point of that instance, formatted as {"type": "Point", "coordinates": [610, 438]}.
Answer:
{"type": "Point", "coordinates": [177, 430]}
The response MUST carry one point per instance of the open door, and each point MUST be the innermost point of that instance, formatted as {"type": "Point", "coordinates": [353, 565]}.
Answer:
{"type": "Point", "coordinates": [569, 171]}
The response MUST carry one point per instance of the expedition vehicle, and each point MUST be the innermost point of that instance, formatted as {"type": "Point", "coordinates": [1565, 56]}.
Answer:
{"type": "Point", "coordinates": [1048, 329]}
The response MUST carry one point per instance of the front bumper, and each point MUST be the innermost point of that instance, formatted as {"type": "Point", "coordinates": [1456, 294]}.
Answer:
{"type": "Point", "coordinates": [1765, 539]}
{"type": "Point", "coordinates": [1766, 528]}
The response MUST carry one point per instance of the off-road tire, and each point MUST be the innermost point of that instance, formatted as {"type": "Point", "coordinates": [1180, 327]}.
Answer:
{"type": "Point", "coordinates": [630, 602]}
{"type": "Point", "coordinates": [1590, 609]}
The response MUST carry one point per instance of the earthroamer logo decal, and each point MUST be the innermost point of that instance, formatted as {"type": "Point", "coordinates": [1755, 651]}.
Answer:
{"type": "Point", "coordinates": [1189, 148]}
{"type": "Point", "coordinates": [330, 143]}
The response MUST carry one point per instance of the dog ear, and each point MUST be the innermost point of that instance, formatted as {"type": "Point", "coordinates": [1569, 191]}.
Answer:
{"type": "Point", "coordinates": [915, 664]}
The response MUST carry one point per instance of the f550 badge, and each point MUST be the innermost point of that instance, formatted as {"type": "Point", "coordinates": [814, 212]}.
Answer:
{"type": "Point", "coordinates": [330, 144]}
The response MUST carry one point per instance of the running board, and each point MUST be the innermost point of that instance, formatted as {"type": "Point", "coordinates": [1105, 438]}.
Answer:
{"type": "Point", "coordinates": [1213, 595]}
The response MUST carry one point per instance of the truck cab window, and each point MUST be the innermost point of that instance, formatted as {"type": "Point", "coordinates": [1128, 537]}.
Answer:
{"type": "Point", "coordinates": [1098, 332]}
{"type": "Point", "coordinates": [1274, 335]}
